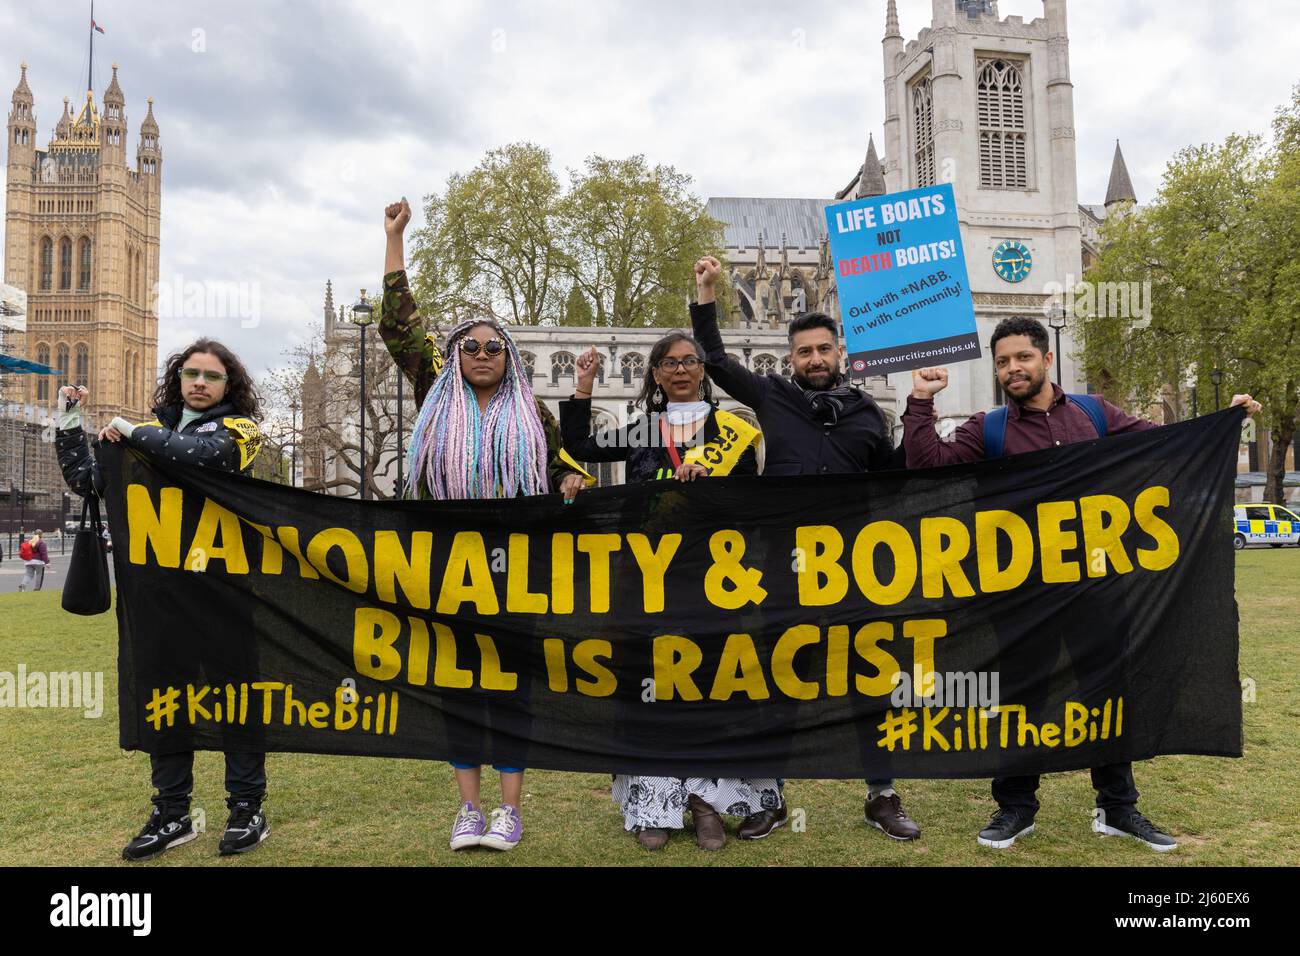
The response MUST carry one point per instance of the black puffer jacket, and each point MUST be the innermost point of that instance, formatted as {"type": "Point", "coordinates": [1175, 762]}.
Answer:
{"type": "Point", "coordinates": [218, 438]}
{"type": "Point", "coordinates": [798, 442]}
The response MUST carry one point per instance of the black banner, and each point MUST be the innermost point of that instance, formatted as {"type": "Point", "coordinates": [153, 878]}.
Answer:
{"type": "Point", "coordinates": [1051, 611]}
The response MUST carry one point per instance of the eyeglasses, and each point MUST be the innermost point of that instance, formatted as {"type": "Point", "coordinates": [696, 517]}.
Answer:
{"type": "Point", "coordinates": [690, 363]}
{"type": "Point", "coordinates": [493, 347]}
{"type": "Point", "coordinates": [192, 375]}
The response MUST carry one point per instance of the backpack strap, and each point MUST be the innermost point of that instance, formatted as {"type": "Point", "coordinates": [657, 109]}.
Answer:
{"type": "Point", "coordinates": [1092, 406]}
{"type": "Point", "coordinates": [995, 432]}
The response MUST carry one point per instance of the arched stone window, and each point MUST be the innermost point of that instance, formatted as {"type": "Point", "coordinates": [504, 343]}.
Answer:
{"type": "Point", "coordinates": [1004, 161]}
{"type": "Point", "coordinates": [83, 258]}
{"type": "Point", "coordinates": [43, 381]}
{"type": "Point", "coordinates": [763, 364]}
{"type": "Point", "coordinates": [786, 369]}
{"type": "Point", "coordinates": [632, 365]}
{"type": "Point", "coordinates": [83, 364]}
{"type": "Point", "coordinates": [562, 364]}
{"type": "Point", "coordinates": [61, 362]}
{"type": "Point", "coordinates": [923, 131]}
{"type": "Point", "coordinates": [47, 264]}
{"type": "Point", "coordinates": [530, 364]}
{"type": "Point", "coordinates": [65, 263]}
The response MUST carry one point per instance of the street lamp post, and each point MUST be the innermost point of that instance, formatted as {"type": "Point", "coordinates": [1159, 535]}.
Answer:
{"type": "Point", "coordinates": [400, 451]}
{"type": "Point", "coordinates": [22, 491]}
{"type": "Point", "coordinates": [362, 314]}
{"type": "Point", "coordinates": [1056, 319]}
{"type": "Point", "coordinates": [1216, 376]}
{"type": "Point", "coordinates": [293, 454]}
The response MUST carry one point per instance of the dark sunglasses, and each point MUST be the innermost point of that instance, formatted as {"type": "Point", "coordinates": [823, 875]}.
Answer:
{"type": "Point", "coordinates": [492, 347]}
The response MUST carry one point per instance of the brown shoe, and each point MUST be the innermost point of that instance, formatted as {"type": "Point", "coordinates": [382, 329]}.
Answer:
{"type": "Point", "coordinates": [758, 825]}
{"type": "Point", "coordinates": [887, 815]}
{"type": "Point", "coordinates": [709, 832]}
{"type": "Point", "coordinates": [652, 838]}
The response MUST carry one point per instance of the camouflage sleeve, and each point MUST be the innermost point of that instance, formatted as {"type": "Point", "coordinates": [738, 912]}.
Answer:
{"type": "Point", "coordinates": [231, 446]}
{"type": "Point", "coordinates": [80, 470]}
{"type": "Point", "coordinates": [556, 466]}
{"type": "Point", "coordinates": [414, 350]}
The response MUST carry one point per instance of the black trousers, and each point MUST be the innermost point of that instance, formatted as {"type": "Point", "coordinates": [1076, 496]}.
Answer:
{"type": "Point", "coordinates": [1113, 782]}
{"type": "Point", "coordinates": [173, 777]}
{"type": "Point", "coordinates": [1097, 673]}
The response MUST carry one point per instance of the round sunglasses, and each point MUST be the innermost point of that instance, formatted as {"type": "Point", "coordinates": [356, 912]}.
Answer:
{"type": "Point", "coordinates": [492, 347]}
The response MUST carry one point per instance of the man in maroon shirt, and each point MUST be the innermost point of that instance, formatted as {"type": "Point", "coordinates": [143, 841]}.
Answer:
{"type": "Point", "coordinates": [1038, 415]}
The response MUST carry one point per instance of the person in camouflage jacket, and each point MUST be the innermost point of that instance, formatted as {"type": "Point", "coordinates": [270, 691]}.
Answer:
{"type": "Point", "coordinates": [481, 433]}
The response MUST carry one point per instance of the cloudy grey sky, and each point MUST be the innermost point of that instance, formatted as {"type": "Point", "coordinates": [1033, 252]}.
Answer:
{"type": "Point", "coordinates": [286, 126]}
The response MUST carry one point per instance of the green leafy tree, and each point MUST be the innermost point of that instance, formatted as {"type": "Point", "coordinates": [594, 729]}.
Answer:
{"type": "Point", "coordinates": [489, 240]}
{"type": "Point", "coordinates": [617, 249]}
{"type": "Point", "coordinates": [1220, 247]}
{"type": "Point", "coordinates": [632, 233]}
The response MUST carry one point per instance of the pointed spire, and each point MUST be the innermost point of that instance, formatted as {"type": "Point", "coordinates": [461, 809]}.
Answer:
{"type": "Point", "coordinates": [64, 125]}
{"type": "Point", "coordinates": [149, 124]}
{"type": "Point", "coordinates": [891, 21]}
{"type": "Point", "coordinates": [1120, 188]}
{"type": "Point", "coordinates": [114, 92]}
{"type": "Point", "coordinates": [22, 90]}
{"type": "Point", "coordinates": [871, 181]}
{"type": "Point", "coordinates": [329, 296]}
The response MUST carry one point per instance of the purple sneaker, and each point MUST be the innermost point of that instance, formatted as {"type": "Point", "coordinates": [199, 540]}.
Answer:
{"type": "Point", "coordinates": [468, 828]}
{"type": "Point", "coordinates": [505, 831]}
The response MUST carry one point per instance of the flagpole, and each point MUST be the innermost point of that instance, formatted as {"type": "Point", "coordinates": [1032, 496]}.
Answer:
{"type": "Point", "coordinates": [90, 67]}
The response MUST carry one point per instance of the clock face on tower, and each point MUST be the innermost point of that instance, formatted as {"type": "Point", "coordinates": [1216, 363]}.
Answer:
{"type": "Point", "coordinates": [1012, 261]}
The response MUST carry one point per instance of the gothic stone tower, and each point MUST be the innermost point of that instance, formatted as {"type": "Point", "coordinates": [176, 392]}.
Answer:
{"type": "Point", "coordinates": [987, 104]}
{"type": "Point", "coordinates": [81, 233]}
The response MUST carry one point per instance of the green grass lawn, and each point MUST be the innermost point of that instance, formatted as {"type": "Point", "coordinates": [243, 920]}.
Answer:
{"type": "Point", "coordinates": [69, 796]}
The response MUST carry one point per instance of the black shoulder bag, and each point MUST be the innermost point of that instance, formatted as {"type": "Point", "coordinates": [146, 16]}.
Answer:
{"type": "Point", "coordinates": [87, 590]}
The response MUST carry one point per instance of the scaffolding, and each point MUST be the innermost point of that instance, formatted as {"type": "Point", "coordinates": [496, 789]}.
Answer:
{"type": "Point", "coordinates": [31, 491]}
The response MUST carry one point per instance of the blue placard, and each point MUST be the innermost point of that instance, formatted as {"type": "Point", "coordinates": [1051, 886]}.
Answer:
{"type": "Point", "coordinates": [904, 294]}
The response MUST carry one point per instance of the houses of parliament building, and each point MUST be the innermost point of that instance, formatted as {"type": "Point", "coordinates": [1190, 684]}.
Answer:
{"type": "Point", "coordinates": [81, 239]}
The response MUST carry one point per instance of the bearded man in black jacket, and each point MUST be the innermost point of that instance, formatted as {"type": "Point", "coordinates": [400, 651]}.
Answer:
{"type": "Point", "coordinates": [814, 423]}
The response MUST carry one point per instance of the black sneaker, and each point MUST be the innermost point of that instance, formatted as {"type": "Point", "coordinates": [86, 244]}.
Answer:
{"type": "Point", "coordinates": [159, 834]}
{"type": "Point", "coordinates": [245, 830]}
{"type": "Point", "coordinates": [1007, 824]}
{"type": "Point", "coordinates": [1129, 823]}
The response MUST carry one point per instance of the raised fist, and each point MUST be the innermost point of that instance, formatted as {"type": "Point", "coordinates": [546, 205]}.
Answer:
{"type": "Point", "coordinates": [706, 272]}
{"type": "Point", "coordinates": [928, 382]}
{"type": "Point", "coordinates": [588, 363]}
{"type": "Point", "coordinates": [396, 217]}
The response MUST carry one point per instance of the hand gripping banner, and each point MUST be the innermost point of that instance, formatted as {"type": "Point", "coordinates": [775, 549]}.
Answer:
{"type": "Point", "coordinates": [1050, 611]}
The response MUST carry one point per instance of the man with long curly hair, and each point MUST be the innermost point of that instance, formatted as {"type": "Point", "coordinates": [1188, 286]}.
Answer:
{"type": "Point", "coordinates": [206, 406]}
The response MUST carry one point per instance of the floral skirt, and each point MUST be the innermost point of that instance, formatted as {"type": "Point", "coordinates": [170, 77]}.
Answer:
{"type": "Point", "coordinates": [660, 802]}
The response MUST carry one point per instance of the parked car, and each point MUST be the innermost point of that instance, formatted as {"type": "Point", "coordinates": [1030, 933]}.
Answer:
{"type": "Point", "coordinates": [1264, 523]}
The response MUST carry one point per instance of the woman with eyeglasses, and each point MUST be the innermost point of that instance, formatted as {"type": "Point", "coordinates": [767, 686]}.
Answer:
{"type": "Point", "coordinates": [684, 436]}
{"type": "Point", "coordinates": [480, 433]}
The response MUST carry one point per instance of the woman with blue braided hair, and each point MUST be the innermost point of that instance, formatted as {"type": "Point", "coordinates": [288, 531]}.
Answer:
{"type": "Point", "coordinates": [481, 433]}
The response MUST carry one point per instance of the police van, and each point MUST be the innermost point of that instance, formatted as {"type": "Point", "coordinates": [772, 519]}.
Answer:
{"type": "Point", "coordinates": [1265, 524]}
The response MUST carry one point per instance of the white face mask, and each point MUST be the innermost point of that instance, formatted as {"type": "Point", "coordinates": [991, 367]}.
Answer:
{"type": "Point", "coordinates": [684, 413]}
